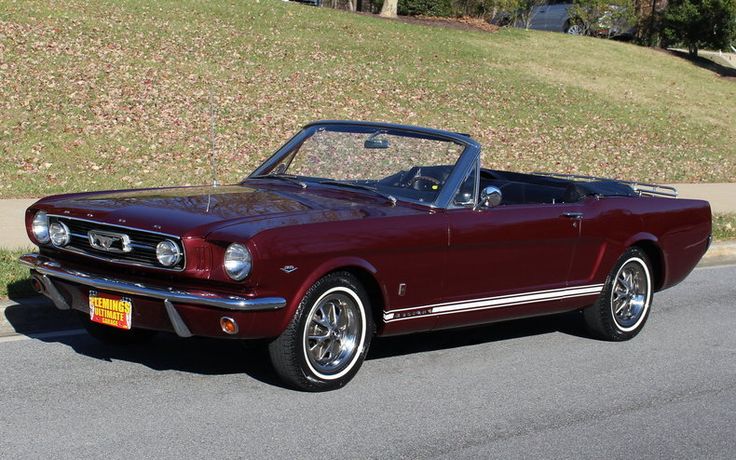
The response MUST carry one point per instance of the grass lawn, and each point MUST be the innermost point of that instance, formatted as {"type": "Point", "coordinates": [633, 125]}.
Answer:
{"type": "Point", "coordinates": [14, 279]}
{"type": "Point", "coordinates": [724, 227]}
{"type": "Point", "coordinates": [115, 94]}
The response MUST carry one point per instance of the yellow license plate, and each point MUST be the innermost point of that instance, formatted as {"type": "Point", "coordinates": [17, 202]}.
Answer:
{"type": "Point", "coordinates": [109, 309]}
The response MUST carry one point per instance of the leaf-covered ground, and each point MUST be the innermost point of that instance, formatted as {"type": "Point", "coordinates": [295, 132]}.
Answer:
{"type": "Point", "coordinates": [115, 94]}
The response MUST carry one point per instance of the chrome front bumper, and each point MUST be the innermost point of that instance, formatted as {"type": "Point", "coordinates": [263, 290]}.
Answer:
{"type": "Point", "coordinates": [49, 268]}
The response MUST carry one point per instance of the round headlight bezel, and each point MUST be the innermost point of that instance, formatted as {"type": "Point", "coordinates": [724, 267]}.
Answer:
{"type": "Point", "coordinates": [59, 234]}
{"type": "Point", "coordinates": [40, 227]}
{"type": "Point", "coordinates": [237, 262]}
{"type": "Point", "coordinates": [168, 253]}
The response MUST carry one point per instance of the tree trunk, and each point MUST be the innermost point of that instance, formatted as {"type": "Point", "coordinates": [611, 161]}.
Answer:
{"type": "Point", "coordinates": [389, 8]}
{"type": "Point", "coordinates": [351, 5]}
{"type": "Point", "coordinates": [652, 23]}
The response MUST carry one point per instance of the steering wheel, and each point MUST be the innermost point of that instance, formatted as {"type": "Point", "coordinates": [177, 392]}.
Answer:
{"type": "Point", "coordinates": [424, 183]}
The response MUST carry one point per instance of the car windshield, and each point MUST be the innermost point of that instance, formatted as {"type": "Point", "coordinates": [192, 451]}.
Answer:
{"type": "Point", "coordinates": [391, 163]}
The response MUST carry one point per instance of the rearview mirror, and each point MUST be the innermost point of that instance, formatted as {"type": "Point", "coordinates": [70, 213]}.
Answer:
{"type": "Point", "coordinates": [490, 197]}
{"type": "Point", "coordinates": [374, 143]}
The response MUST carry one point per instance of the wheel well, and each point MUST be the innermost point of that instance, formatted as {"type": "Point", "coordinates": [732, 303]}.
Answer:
{"type": "Point", "coordinates": [372, 288]}
{"type": "Point", "coordinates": [654, 254]}
{"type": "Point", "coordinates": [572, 21]}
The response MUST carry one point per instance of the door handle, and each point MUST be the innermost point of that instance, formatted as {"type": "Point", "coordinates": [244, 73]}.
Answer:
{"type": "Point", "coordinates": [573, 215]}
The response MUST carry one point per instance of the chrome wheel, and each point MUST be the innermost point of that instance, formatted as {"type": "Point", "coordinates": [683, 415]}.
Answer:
{"type": "Point", "coordinates": [334, 332]}
{"type": "Point", "coordinates": [630, 295]}
{"type": "Point", "coordinates": [328, 338]}
{"type": "Point", "coordinates": [623, 306]}
{"type": "Point", "coordinates": [575, 29]}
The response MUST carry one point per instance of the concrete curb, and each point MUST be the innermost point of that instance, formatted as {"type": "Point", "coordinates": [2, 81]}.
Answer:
{"type": "Point", "coordinates": [720, 253]}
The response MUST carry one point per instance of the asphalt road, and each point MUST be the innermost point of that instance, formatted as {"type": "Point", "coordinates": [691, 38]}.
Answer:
{"type": "Point", "coordinates": [527, 389]}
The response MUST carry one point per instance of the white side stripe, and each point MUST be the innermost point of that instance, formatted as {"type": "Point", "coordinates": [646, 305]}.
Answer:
{"type": "Point", "coordinates": [520, 299]}
{"type": "Point", "coordinates": [492, 302]}
{"type": "Point", "coordinates": [507, 296]}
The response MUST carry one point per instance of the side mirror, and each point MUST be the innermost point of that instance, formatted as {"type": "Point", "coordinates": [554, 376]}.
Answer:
{"type": "Point", "coordinates": [490, 197]}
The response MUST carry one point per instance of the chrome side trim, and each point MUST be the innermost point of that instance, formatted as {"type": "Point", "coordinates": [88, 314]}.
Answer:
{"type": "Point", "coordinates": [53, 269]}
{"type": "Point", "coordinates": [177, 322]}
{"type": "Point", "coordinates": [511, 300]}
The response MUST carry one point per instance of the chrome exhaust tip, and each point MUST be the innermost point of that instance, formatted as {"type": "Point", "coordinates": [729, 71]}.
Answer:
{"type": "Point", "coordinates": [37, 285]}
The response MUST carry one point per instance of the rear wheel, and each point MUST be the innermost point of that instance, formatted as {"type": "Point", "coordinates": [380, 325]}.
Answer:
{"type": "Point", "coordinates": [114, 336]}
{"type": "Point", "coordinates": [623, 306]}
{"type": "Point", "coordinates": [327, 340]}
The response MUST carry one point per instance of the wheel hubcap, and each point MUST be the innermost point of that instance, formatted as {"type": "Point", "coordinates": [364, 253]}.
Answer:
{"type": "Point", "coordinates": [332, 333]}
{"type": "Point", "coordinates": [629, 294]}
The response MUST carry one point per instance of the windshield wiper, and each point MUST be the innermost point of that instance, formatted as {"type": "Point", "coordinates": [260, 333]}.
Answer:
{"type": "Point", "coordinates": [284, 177]}
{"type": "Point", "coordinates": [360, 187]}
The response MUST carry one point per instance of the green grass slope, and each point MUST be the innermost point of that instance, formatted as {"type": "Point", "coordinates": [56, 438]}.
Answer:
{"type": "Point", "coordinates": [98, 94]}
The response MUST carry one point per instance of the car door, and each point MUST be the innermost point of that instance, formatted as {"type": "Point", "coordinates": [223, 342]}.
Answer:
{"type": "Point", "coordinates": [508, 261]}
{"type": "Point", "coordinates": [538, 17]}
{"type": "Point", "coordinates": [557, 15]}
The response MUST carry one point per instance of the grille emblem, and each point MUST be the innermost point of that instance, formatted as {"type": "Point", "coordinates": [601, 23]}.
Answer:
{"type": "Point", "coordinates": [109, 241]}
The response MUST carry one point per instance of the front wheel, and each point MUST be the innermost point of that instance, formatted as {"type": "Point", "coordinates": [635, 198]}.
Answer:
{"type": "Point", "coordinates": [327, 340]}
{"type": "Point", "coordinates": [575, 27]}
{"type": "Point", "coordinates": [623, 306]}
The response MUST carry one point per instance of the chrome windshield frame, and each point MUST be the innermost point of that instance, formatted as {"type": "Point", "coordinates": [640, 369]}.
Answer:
{"type": "Point", "coordinates": [466, 160]}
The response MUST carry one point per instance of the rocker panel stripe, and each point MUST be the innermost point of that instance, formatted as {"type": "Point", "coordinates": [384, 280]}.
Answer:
{"type": "Point", "coordinates": [491, 302]}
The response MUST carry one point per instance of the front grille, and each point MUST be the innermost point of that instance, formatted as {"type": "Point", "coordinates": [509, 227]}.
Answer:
{"type": "Point", "coordinates": [142, 243]}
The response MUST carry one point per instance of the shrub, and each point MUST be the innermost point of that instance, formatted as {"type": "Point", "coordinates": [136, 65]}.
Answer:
{"type": "Point", "coordinates": [425, 7]}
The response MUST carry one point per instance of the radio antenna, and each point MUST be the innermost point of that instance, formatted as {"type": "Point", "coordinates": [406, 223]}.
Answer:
{"type": "Point", "coordinates": [213, 148]}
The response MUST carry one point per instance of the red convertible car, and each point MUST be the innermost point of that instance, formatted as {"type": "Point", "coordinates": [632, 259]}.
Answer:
{"type": "Point", "coordinates": [353, 229]}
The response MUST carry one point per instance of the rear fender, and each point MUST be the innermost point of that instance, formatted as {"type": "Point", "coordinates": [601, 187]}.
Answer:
{"type": "Point", "coordinates": [614, 252]}
{"type": "Point", "coordinates": [657, 258]}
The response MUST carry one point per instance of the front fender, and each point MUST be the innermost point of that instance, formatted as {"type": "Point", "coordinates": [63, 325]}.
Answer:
{"type": "Point", "coordinates": [318, 272]}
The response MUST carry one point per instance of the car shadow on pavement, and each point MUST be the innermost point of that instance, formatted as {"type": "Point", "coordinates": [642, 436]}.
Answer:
{"type": "Point", "coordinates": [37, 318]}
{"type": "Point", "coordinates": [196, 355]}
{"type": "Point", "coordinates": [34, 317]}
{"type": "Point", "coordinates": [567, 323]}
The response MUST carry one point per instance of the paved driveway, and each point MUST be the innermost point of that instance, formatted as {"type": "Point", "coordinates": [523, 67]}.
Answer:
{"type": "Point", "coordinates": [527, 389]}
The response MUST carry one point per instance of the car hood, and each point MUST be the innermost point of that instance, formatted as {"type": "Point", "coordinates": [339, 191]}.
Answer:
{"type": "Point", "coordinates": [198, 211]}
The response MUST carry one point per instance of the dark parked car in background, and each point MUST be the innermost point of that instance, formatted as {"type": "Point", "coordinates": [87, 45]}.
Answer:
{"type": "Point", "coordinates": [353, 229]}
{"type": "Point", "coordinates": [560, 16]}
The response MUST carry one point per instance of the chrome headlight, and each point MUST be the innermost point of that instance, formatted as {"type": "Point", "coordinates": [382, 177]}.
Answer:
{"type": "Point", "coordinates": [40, 227]}
{"type": "Point", "coordinates": [238, 261]}
{"type": "Point", "coordinates": [59, 234]}
{"type": "Point", "coordinates": [168, 253]}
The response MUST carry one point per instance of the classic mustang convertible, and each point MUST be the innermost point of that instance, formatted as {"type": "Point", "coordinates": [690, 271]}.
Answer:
{"type": "Point", "coordinates": [353, 229]}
